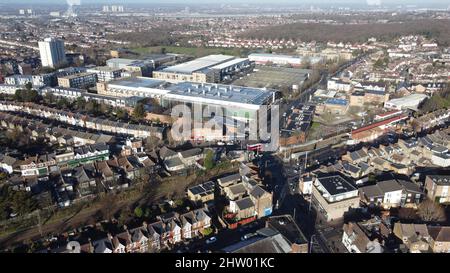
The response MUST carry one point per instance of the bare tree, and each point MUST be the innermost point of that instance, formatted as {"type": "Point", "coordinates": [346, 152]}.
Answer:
{"type": "Point", "coordinates": [107, 205]}
{"type": "Point", "coordinates": [415, 125]}
{"type": "Point", "coordinates": [430, 211]}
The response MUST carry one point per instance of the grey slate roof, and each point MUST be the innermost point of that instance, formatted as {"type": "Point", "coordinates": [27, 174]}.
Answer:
{"type": "Point", "coordinates": [389, 186]}
{"type": "Point", "coordinates": [257, 192]}
{"type": "Point", "coordinates": [245, 203]}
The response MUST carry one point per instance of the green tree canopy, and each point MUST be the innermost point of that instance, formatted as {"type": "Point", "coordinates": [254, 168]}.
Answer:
{"type": "Point", "coordinates": [29, 86]}
{"type": "Point", "coordinates": [121, 113]}
{"type": "Point", "coordinates": [26, 95]}
{"type": "Point", "coordinates": [209, 160]}
{"type": "Point", "coordinates": [80, 103]}
{"type": "Point", "coordinates": [139, 111]}
{"type": "Point", "coordinates": [138, 212]}
{"type": "Point", "coordinates": [19, 202]}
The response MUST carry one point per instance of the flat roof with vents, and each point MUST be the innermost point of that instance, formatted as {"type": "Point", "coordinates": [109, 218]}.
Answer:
{"type": "Point", "coordinates": [440, 179]}
{"type": "Point", "coordinates": [230, 63]}
{"type": "Point", "coordinates": [202, 93]}
{"type": "Point", "coordinates": [230, 93]}
{"type": "Point", "coordinates": [137, 82]}
{"type": "Point", "coordinates": [335, 184]}
{"type": "Point", "coordinates": [198, 64]}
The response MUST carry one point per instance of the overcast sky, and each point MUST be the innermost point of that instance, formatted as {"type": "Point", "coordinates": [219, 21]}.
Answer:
{"type": "Point", "coordinates": [430, 3]}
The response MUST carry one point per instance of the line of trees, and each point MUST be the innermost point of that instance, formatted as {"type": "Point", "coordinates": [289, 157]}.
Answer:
{"type": "Point", "coordinates": [438, 100]}
{"type": "Point", "coordinates": [431, 28]}
{"type": "Point", "coordinates": [27, 95]}
{"type": "Point", "coordinates": [153, 37]}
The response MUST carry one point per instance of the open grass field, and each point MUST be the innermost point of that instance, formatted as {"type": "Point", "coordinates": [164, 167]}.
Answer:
{"type": "Point", "coordinates": [192, 51]}
{"type": "Point", "coordinates": [273, 77]}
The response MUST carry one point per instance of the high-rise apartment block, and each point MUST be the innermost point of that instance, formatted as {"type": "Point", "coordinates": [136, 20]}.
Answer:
{"type": "Point", "coordinates": [52, 52]}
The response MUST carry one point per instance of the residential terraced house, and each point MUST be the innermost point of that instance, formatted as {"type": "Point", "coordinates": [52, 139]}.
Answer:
{"type": "Point", "coordinates": [438, 188]}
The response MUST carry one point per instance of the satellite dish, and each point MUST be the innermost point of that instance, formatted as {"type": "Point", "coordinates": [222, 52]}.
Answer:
{"type": "Point", "coordinates": [73, 247]}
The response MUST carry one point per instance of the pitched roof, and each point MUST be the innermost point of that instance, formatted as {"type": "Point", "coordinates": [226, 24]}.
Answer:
{"type": "Point", "coordinates": [173, 162]}
{"type": "Point", "coordinates": [439, 233]}
{"type": "Point", "coordinates": [8, 160]}
{"type": "Point", "coordinates": [360, 239]}
{"type": "Point", "coordinates": [245, 203]}
{"type": "Point", "coordinates": [412, 230]}
{"type": "Point", "coordinates": [389, 186]}
{"type": "Point", "coordinates": [123, 238]}
{"type": "Point", "coordinates": [100, 246]}
{"type": "Point", "coordinates": [166, 152]}
{"type": "Point", "coordinates": [138, 233]}
{"type": "Point", "coordinates": [191, 152]}
{"type": "Point", "coordinates": [229, 178]}
{"type": "Point", "coordinates": [237, 189]}
{"type": "Point", "coordinates": [258, 192]}
{"type": "Point", "coordinates": [350, 167]}
{"type": "Point", "coordinates": [371, 191]}
{"type": "Point", "coordinates": [188, 217]}
{"type": "Point", "coordinates": [201, 215]}
{"type": "Point", "coordinates": [440, 179]}
{"type": "Point", "coordinates": [103, 168]}
{"type": "Point", "coordinates": [410, 186]}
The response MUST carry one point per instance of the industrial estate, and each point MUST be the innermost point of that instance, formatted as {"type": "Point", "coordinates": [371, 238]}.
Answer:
{"type": "Point", "coordinates": [224, 128]}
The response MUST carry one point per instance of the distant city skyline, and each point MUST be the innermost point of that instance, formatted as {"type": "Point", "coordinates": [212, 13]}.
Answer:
{"type": "Point", "coordinates": [430, 3]}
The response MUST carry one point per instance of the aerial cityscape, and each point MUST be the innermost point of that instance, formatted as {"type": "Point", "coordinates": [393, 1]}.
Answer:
{"type": "Point", "coordinates": [224, 127]}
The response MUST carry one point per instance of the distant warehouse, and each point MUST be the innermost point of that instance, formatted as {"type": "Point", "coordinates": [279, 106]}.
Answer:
{"type": "Point", "coordinates": [264, 58]}
{"type": "Point", "coordinates": [142, 67]}
{"type": "Point", "coordinates": [408, 102]}
{"type": "Point", "coordinates": [212, 68]}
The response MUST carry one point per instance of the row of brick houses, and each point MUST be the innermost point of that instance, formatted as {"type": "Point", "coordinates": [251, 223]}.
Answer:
{"type": "Point", "coordinates": [401, 157]}
{"type": "Point", "coordinates": [437, 188]}
{"type": "Point", "coordinates": [57, 135]}
{"type": "Point", "coordinates": [421, 238]}
{"type": "Point", "coordinates": [83, 121]}
{"type": "Point", "coordinates": [374, 235]}
{"type": "Point", "coordinates": [68, 183]}
{"type": "Point", "coordinates": [392, 193]}
{"type": "Point", "coordinates": [169, 230]}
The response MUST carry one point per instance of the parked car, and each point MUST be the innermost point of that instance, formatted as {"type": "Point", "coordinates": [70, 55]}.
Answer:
{"type": "Point", "coordinates": [211, 240]}
{"type": "Point", "coordinates": [248, 236]}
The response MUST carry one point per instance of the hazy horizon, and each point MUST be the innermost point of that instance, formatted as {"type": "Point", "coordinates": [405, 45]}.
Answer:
{"type": "Point", "coordinates": [430, 3]}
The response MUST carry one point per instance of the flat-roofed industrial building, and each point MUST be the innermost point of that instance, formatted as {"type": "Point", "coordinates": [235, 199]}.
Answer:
{"type": "Point", "coordinates": [235, 101]}
{"type": "Point", "coordinates": [211, 68]}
